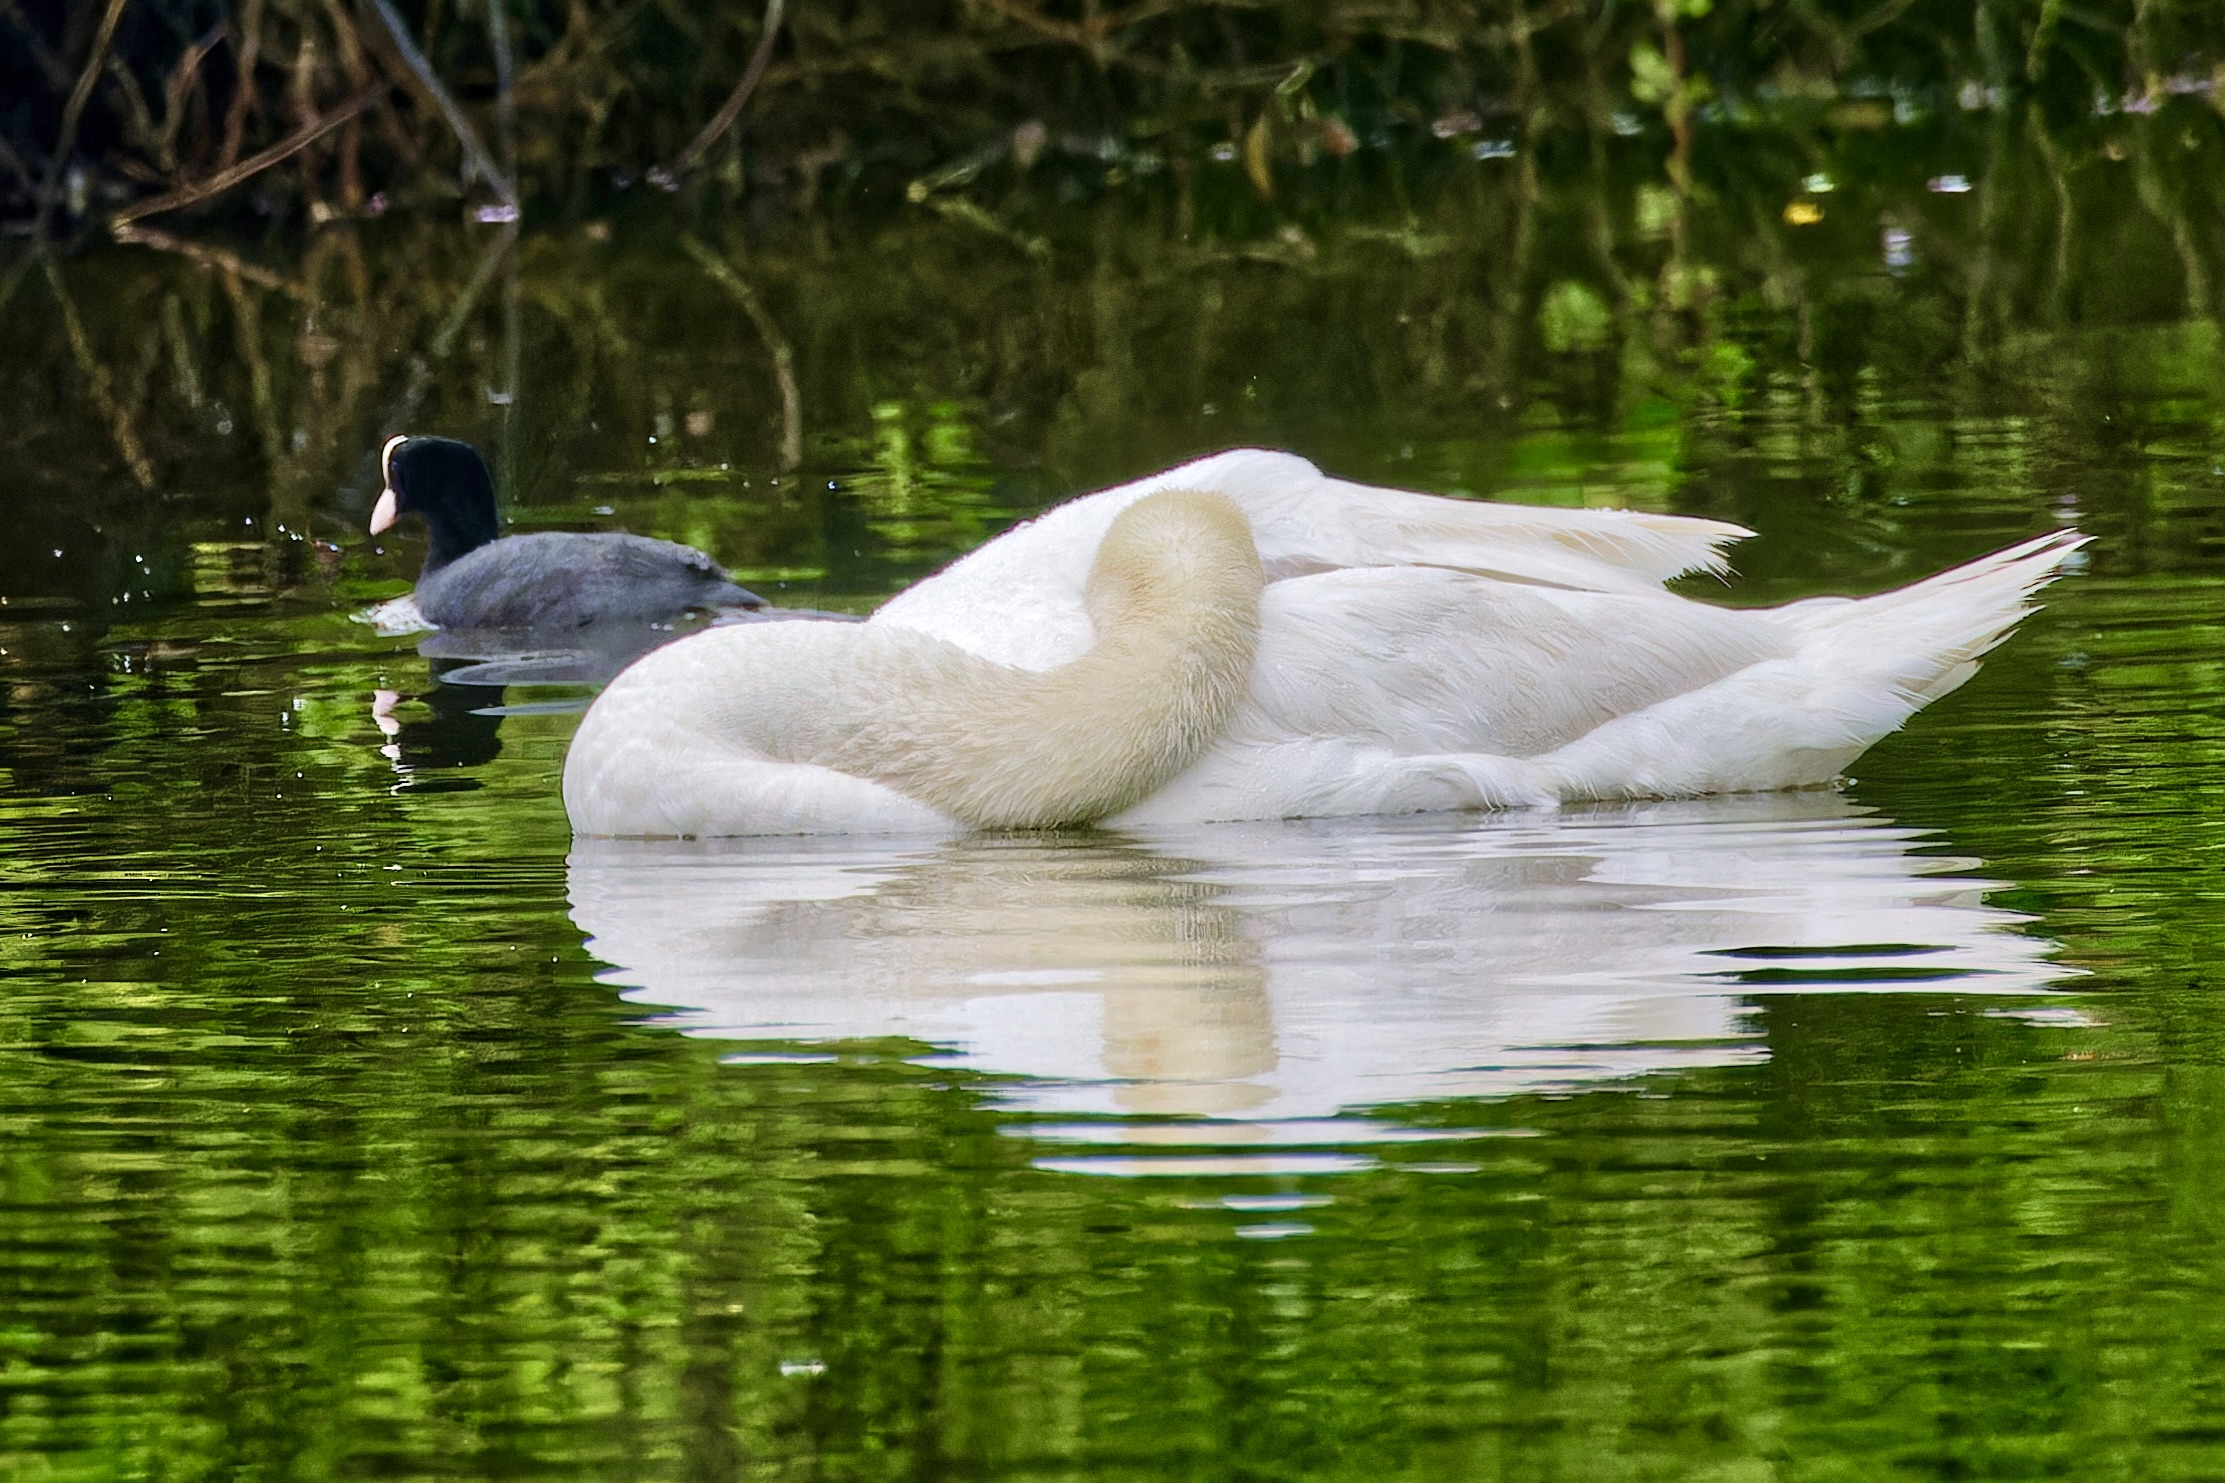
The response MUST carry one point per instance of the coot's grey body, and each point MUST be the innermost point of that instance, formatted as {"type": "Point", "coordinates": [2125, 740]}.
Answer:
{"type": "Point", "coordinates": [568, 580]}
{"type": "Point", "coordinates": [477, 579]}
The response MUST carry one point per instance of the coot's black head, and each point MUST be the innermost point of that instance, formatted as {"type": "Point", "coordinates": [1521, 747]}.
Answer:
{"type": "Point", "coordinates": [444, 483]}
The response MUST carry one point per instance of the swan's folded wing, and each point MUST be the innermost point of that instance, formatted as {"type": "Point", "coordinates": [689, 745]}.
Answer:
{"type": "Point", "coordinates": [1400, 689]}
{"type": "Point", "coordinates": [1019, 598]}
{"type": "Point", "coordinates": [1420, 659]}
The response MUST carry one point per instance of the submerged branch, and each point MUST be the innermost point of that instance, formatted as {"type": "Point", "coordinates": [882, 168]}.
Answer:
{"type": "Point", "coordinates": [417, 377]}
{"type": "Point", "coordinates": [99, 383]}
{"type": "Point", "coordinates": [784, 355]}
{"type": "Point", "coordinates": [215, 259]}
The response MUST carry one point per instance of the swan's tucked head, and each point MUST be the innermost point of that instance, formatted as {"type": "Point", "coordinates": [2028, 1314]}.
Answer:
{"type": "Point", "coordinates": [1179, 551]}
{"type": "Point", "coordinates": [1173, 593]}
{"type": "Point", "coordinates": [443, 482]}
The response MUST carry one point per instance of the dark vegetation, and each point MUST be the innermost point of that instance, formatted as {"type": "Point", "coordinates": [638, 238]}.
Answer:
{"type": "Point", "coordinates": [116, 111]}
{"type": "Point", "coordinates": [961, 258]}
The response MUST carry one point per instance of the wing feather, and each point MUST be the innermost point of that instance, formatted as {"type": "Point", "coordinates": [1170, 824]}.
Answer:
{"type": "Point", "coordinates": [1018, 599]}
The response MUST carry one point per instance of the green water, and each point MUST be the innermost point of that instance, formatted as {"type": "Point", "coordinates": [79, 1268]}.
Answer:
{"type": "Point", "coordinates": [352, 1125]}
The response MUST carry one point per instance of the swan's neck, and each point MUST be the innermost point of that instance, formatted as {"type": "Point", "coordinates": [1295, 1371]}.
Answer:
{"type": "Point", "coordinates": [1174, 597]}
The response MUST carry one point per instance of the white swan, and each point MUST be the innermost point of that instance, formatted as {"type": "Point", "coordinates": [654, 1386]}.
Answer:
{"type": "Point", "coordinates": [1243, 637]}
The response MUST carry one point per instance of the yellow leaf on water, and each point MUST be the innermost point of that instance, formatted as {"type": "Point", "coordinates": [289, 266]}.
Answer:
{"type": "Point", "coordinates": [1802, 213]}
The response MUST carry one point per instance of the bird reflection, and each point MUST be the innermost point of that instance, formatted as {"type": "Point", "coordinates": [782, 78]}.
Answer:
{"type": "Point", "coordinates": [472, 671]}
{"type": "Point", "coordinates": [458, 726]}
{"type": "Point", "coordinates": [1296, 970]}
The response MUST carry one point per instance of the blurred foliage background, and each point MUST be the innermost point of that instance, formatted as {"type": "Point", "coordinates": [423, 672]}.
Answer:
{"type": "Point", "coordinates": [1082, 231]}
{"type": "Point", "coordinates": [558, 103]}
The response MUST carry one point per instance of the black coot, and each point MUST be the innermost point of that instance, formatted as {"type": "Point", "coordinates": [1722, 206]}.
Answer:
{"type": "Point", "coordinates": [476, 578]}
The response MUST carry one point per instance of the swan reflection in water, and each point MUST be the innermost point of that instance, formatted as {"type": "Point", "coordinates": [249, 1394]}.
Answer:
{"type": "Point", "coordinates": [1295, 971]}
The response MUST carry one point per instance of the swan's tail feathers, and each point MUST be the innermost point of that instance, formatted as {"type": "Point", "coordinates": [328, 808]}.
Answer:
{"type": "Point", "coordinates": [1928, 637]}
{"type": "Point", "coordinates": [1860, 667]}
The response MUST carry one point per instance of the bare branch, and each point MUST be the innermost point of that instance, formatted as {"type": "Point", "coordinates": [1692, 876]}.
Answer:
{"type": "Point", "coordinates": [74, 111]}
{"type": "Point", "coordinates": [224, 180]}
{"type": "Point", "coordinates": [249, 39]}
{"type": "Point", "coordinates": [476, 157]}
{"type": "Point", "coordinates": [732, 108]}
{"type": "Point", "coordinates": [41, 54]}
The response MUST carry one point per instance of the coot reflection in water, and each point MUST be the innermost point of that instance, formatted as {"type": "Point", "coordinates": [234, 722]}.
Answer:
{"type": "Point", "coordinates": [471, 673]}
{"type": "Point", "coordinates": [1268, 972]}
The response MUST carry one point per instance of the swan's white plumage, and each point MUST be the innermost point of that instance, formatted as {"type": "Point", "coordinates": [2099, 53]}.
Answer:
{"type": "Point", "coordinates": [1413, 653]}
{"type": "Point", "coordinates": [1018, 599]}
